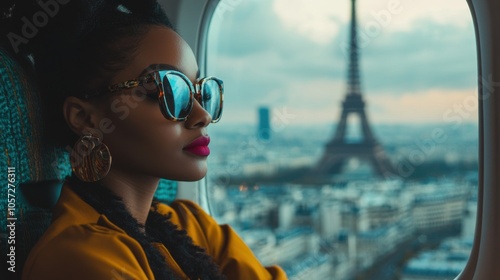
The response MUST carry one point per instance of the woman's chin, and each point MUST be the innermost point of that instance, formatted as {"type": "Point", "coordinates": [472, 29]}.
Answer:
{"type": "Point", "coordinates": [193, 176]}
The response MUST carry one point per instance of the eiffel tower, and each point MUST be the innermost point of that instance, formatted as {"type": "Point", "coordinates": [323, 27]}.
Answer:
{"type": "Point", "coordinates": [338, 150]}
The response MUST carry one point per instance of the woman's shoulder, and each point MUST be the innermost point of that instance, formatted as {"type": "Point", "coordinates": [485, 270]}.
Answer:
{"type": "Point", "coordinates": [78, 236]}
{"type": "Point", "coordinates": [82, 248]}
{"type": "Point", "coordinates": [87, 251]}
{"type": "Point", "coordinates": [75, 223]}
{"type": "Point", "coordinates": [221, 242]}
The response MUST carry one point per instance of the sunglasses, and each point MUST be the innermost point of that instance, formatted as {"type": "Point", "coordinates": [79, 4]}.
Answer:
{"type": "Point", "coordinates": [175, 93]}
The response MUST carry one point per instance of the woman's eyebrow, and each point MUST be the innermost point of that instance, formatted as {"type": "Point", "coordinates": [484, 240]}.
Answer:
{"type": "Point", "coordinates": [156, 67]}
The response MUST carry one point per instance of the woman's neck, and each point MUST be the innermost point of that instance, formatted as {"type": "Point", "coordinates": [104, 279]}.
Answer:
{"type": "Point", "coordinates": [136, 191]}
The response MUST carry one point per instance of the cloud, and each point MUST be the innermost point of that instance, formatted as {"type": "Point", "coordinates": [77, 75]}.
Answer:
{"type": "Point", "coordinates": [320, 20]}
{"type": "Point", "coordinates": [250, 28]}
{"type": "Point", "coordinates": [311, 100]}
{"type": "Point", "coordinates": [266, 58]}
{"type": "Point", "coordinates": [430, 56]}
{"type": "Point", "coordinates": [316, 20]}
{"type": "Point", "coordinates": [315, 104]}
{"type": "Point", "coordinates": [449, 12]}
{"type": "Point", "coordinates": [431, 106]}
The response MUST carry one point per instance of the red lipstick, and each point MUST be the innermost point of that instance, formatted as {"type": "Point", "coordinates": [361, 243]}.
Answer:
{"type": "Point", "coordinates": [199, 146]}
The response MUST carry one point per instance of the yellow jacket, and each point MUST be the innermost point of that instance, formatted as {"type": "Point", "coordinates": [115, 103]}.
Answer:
{"type": "Point", "coordinates": [83, 244]}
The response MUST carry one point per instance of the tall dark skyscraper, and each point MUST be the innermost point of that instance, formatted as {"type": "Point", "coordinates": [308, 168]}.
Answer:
{"type": "Point", "coordinates": [264, 128]}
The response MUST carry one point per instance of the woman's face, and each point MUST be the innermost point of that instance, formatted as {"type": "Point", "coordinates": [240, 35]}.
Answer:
{"type": "Point", "coordinates": [141, 140]}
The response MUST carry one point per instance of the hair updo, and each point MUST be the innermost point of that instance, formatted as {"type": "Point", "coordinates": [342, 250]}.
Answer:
{"type": "Point", "coordinates": [75, 46]}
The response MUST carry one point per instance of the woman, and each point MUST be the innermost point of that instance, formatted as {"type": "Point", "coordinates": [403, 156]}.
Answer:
{"type": "Point", "coordinates": [123, 86]}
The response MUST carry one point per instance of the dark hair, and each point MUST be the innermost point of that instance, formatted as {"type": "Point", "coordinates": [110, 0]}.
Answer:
{"type": "Point", "coordinates": [74, 48]}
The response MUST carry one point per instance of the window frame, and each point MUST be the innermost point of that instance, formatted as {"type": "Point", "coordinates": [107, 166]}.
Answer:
{"type": "Point", "coordinates": [191, 19]}
{"type": "Point", "coordinates": [482, 260]}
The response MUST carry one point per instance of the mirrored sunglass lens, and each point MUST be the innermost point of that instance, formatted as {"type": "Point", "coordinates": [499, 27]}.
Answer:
{"type": "Point", "coordinates": [177, 95]}
{"type": "Point", "coordinates": [210, 93]}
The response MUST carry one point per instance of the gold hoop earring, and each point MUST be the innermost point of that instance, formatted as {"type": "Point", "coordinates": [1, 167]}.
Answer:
{"type": "Point", "coordinates": [90, 159]}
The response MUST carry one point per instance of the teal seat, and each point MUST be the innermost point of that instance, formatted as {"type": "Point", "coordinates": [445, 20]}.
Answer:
{"type": "Point", "coordinates": [39, 168]}
{"type": "Point", "coordinates": [20, 141]}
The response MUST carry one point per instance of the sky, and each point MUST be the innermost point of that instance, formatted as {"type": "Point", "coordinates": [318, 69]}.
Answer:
{"type": "Point", "coordinates": [417, 59]}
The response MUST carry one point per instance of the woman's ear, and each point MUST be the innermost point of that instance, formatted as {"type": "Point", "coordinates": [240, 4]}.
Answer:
{"type": "Point", "coordinates": [80, 115]}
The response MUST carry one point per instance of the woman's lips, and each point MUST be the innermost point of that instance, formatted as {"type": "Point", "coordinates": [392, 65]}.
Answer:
{"type": "Point", "coordinates": [199, 146]}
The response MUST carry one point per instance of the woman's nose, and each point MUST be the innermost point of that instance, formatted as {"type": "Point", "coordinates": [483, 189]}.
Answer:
{"type": "Point", "coordinates": [198, 116]}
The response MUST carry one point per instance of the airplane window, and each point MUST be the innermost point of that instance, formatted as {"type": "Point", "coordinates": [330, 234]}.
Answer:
{"type": "Point", "coordinates": [348, 146]}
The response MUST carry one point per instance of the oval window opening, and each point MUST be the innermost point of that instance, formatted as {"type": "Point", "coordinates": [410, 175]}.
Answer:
{"type": "Point", "coordinates": [348, 144]}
